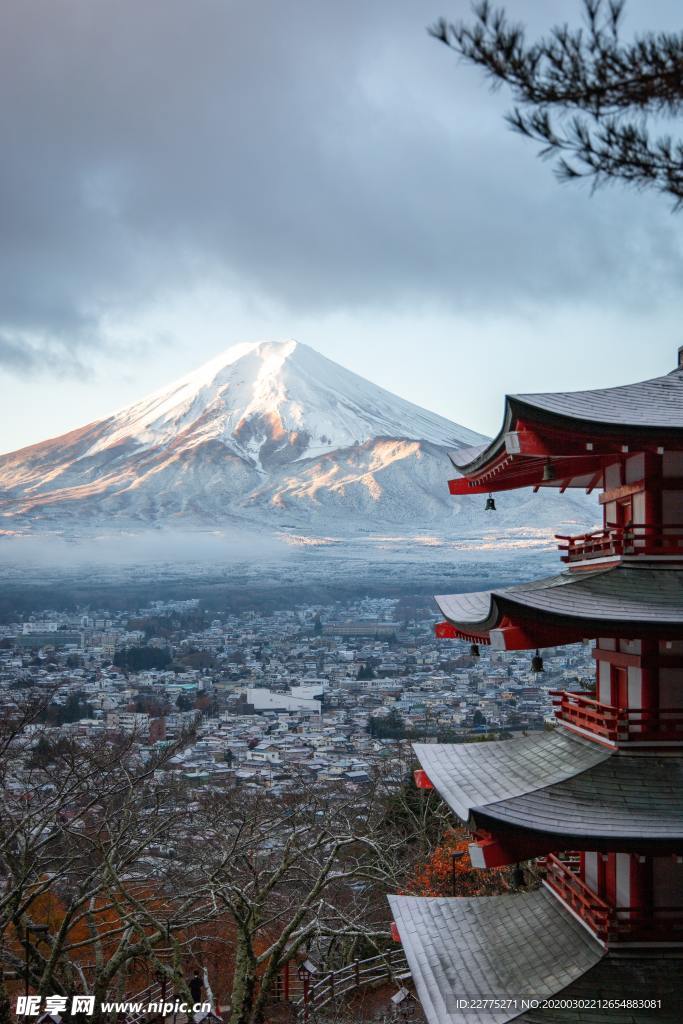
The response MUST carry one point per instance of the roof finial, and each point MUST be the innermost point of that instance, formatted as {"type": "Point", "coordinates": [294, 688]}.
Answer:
{"type": "Point", "coordinates": [680, 357]}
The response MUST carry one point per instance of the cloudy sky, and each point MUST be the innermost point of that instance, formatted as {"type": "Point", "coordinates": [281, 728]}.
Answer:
{"type": "Point", "coordinates": [179, 175]}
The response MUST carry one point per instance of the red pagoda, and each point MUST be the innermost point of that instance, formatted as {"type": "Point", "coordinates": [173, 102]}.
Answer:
{"type": "Point", "coordinates": [599, 799]}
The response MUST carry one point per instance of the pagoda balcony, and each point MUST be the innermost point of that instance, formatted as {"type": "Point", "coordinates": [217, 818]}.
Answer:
{"type": "Point", "coordinates": [620, 541]}
{"type": "Point", "coordinates": [618, 726]}
{"type": "Point", "coordinates": [611, 924]}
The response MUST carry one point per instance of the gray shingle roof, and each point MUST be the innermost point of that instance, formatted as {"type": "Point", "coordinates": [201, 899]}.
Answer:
{"type": "Point", "coordinates": [464, 456]}
{"type": "Point", "coordinates": [626, 797]}
{"type": "Point", "coordinates": [468, 775]}
{"type": "Point", "coordinates": [560, 785]}
{"type": "Point", "coordinates": [650, 403]}
{"type": "Point", "coordinates": [506, 947]}
{"type": "Point", "coordinates": [638, 976]}
{"type": "Point", "coordinates": [467, 609]}
{"type": "Point", "coordinates": [631, 594]}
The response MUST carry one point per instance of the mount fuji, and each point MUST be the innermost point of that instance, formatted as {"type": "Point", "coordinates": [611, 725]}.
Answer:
{"type": "Point", "coordinates": [269, 436]}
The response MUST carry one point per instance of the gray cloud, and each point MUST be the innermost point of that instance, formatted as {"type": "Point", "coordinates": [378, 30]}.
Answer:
{"type": "Point", "coordinates": [41, 355]}
{"type": "Point", "coordinates": [320, 155]}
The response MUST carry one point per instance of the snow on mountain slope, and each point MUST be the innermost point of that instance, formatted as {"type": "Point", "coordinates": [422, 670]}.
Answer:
{"type": "Point", "coordinates": [264, 397]}
{"type": "Point", "coordinates": [269, 433]}
{"type": "Point", "coordinates": [401, 483]}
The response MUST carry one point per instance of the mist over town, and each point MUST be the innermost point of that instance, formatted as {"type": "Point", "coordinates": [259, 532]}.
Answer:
{"type": "Point", "coordinates": [341, 513]}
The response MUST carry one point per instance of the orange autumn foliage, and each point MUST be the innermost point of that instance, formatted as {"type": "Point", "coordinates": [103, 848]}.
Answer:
{"type": "Point", "coordinates": [209, 945]}
{"type": "Point", "coordinates": [449, 861]}
{"type": "Point", "coordinates": [102, 928]}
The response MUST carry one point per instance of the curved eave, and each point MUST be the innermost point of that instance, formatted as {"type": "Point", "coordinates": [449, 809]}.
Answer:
{"type": "Point", "coordinates": [470, 613]}
{"type": "Point", "coordinates": [469, 775]}
{"type": "Point", "coordinates": [598, 602]}
{"type": "Point", "coordinates": [625, 798]}
{"type": "Point", "coordinates": [469, 461]}
{"type": "Point", "coordinates": [559, 786]}
{"type": "Point", "coordinates": [615, 979]}
{"type": "Point", "coordinates": [653, 405]}
{"type": "Point", "coordinates": [553, 839]}
{"type": "Point", "coordinates": [648, 413]}
{"type": "Point", "coordinates": [490, 946]}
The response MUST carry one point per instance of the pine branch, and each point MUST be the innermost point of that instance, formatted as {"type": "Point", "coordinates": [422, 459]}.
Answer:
{"type": "Point", "coordinates": [584, 94]}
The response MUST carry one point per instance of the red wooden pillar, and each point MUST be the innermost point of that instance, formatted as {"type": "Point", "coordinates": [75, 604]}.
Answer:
{"type": "Point", "coordinates": [619, 687]}
{"type": "Point", "coordinates": [610, 868]}
{"type": "Point", "coordinates": [601, 870]}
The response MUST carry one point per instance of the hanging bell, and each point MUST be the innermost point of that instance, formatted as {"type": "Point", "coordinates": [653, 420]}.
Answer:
{"type": "Point", "coordinates": [490, 505]}
{"type": "Point", "coordinates": [537, 662]}
{"type": "Point", "coordinates": [549, 472]}
{"type": "Point", "coordinates": [474, 651]}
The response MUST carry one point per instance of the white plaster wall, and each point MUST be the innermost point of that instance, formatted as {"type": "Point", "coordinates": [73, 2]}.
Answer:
{"type": "Point", "coordinates": [635, 687]}
{"type": "Point", "coordinates": [623, 880]}
{"type": "Point", "coordinates": [591, 870]}
{"type": "Point", "coordinates": [639, 508]}
{"type": "Point", "coordinates": [604, 685]}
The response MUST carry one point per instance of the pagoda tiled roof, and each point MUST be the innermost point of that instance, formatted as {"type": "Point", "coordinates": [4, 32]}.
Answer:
{"type": "Point", "coordinates": [558, 784]}
{"type": "Point", "coordinates": [469, 775]}
{"type": "Point", "coordinates": [466, 455]}
{"type": "Point", "coordinates": [640, 976]}
{"type": "Point", "coordinates": [526, 945]}
{"type": "Point", "coordinates": [650, 403]}
{"type": "Point", "coordinates": [627, 593]}
{"type": "Point", "coordinates": [505, 947]}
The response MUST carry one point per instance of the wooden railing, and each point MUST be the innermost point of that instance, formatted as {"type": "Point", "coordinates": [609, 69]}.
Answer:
{"type": "Point", "coordinates": [618, 725]}
{"type": "Point", "coordinates": [157, 992]}
{"type": "Point", "coordinates": [612, 923]}
{"type": "Point", "coordinates": [663, 725]}
{"type": "Point", "coordinates": [586, 712]}
{"type": "Point", "coordinates": [391, 966]}
{"type": "Point", "coordinates": [635, 539]}
{"type": "Point", "coordinates": [574, 892]}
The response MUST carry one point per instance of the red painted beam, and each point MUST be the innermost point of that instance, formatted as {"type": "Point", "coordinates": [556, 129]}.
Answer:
{"type": "Point", "coordinates": [571, 439]}
{"type": "Point", "coordinates": [618, 658]}
{"type": "Point", "coordinates": [528, 637]}
{"type": "Point", "coordinates": [461, 485]}
{"type": "Point", "coordinates": [647, 660]}
{"type": "Point", "coordinates": [447, 631]}
{"type": "Point", "coordinates": [526, 442]}
{"type": "Point", "coordinates": [497, 853]}
{"type": "Point", "coordinates": [527, 471]}
{"type": "Point", "coordinates": [422, 780]}
{"type": "Point", "coordinates": [511, 637]}
{"type": "Point", "coordinates": [625, 491]}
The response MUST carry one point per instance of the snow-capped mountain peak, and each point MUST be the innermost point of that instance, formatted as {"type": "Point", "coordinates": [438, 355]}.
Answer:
{"type": "Point", "coordinates": [267, 435]}
{"type": "Point", "coordinates": [261, 397]}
